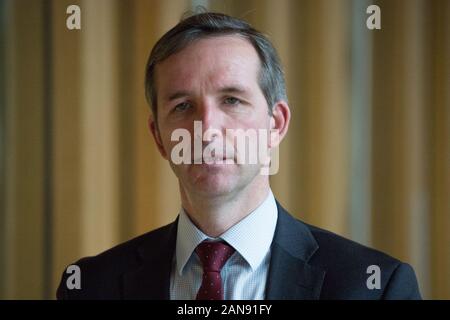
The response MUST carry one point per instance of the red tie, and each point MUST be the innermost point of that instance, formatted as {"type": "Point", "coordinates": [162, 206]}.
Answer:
{"type": "Point", "coordinates": [213, 256]}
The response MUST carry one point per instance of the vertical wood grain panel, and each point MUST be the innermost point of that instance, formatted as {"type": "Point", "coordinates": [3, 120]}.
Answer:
{"type": "Point", "coordinates": [66, 140]}
{"type": "Point", "coordinates": [99, 126]}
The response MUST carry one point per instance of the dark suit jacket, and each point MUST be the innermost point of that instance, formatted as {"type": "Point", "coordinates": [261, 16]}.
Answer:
{"type": "Point", "coordinates": [306, 263]}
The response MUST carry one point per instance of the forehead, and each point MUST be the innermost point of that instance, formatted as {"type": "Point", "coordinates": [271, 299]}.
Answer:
{"type": "Point", "coordinates": [211, 61]}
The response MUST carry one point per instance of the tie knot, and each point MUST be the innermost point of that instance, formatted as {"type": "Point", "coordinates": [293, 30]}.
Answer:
{"type": "Point", "coordinates": [214, 255]}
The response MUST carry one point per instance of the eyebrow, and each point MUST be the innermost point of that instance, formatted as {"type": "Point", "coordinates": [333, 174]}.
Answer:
{"type": "Point", "coordinates": [227, 89]}
{"type": "Point", "coordinates": [233, 89]}
{"type": "Point", "coordinates": [177, 94]}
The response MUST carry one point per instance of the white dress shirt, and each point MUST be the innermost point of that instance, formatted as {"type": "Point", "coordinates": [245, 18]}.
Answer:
{"type": "Point", "coordinates": [244, 275]}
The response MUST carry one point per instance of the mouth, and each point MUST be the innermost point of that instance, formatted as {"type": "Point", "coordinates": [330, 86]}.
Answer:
{"type": "Point", "coordinates": [213, 160]}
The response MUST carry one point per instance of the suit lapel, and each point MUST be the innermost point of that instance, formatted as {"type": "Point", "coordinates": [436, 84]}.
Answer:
{"type": "Point", "coordinates": [151, 278]}
{"type": "Point", "coordinates": [290, 275]}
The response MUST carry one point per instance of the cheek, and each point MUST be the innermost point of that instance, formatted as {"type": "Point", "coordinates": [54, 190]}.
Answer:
{"type": "Point", "coordinates": [167, 142]}
{"type": "Point", "coordinates": [182, 137]}
{"type": "Point", "coordinates": [257, 121]}
{"type": "Point", "coordinates": [164, 136]}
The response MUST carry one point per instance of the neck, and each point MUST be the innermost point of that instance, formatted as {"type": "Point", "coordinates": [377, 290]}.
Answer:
{"type": "Point", "coordinates": [215, 215]}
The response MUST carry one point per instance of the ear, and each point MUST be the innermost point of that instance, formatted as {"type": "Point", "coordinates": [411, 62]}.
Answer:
{"type": "Point", "coordinates": [156, 136]}
{"type": "Point", "coordinates": [281, 115]}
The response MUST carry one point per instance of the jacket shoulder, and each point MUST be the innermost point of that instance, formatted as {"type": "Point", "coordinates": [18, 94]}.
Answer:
{"type": "Point", "coordinates": [335, 248]}
{"type": "Point", "coordinates": [352, 270]}
{"type": "Point", "coordinates": [103, 271]}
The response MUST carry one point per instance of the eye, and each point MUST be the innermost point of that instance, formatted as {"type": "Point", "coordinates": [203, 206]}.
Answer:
{"type": "Point", "coordinates": [232, 101]}
{"type": "Point", "coordinates": [182, 106]}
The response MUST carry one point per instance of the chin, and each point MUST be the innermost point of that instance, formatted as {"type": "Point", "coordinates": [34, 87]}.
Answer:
{"type": "Point", "coordinates": [213, 180]}
{"type": "Point", "coordinates": [216, 180]}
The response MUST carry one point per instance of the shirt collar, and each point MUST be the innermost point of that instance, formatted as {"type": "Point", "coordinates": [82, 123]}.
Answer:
{"type": "Point", "coordinates": [251, 237]}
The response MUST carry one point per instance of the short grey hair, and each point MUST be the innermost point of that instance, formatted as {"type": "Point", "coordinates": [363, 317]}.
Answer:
{"type": "Point", "coordinates": [199, 26]}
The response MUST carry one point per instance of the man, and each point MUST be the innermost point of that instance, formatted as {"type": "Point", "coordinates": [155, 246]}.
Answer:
{"type": "Point", "coordinates": [232, 239]}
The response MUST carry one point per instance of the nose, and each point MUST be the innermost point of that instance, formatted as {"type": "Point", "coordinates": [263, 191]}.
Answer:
{"type": "Point", "coordinates": [211, 118]}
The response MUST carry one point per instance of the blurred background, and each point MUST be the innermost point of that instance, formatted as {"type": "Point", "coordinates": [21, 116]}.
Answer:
{"type": "Point", "coordinates": [367, 155]}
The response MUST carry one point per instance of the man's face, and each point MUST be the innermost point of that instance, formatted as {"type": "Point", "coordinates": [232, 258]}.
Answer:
{"type": "Point", "coordinates": [215, 81]}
